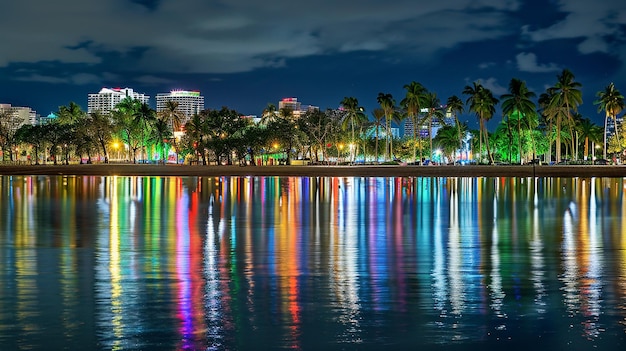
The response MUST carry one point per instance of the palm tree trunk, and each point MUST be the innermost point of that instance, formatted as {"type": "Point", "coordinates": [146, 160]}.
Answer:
{"type": "Point", "coordinates": [519, 135]}
{"type": "Point", "coordinates": [619, 145]}
{"type": "Point", "coordinates": [430, 136]}
{"type": "Point", "coordinates": [606, 125]}
{"type": "Point", "coordinates": [377, 143]}
{"type": "Point", "coordinates": [414, 139]}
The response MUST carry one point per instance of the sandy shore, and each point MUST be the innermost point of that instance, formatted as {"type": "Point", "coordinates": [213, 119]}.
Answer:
{"type": "Point", "coordinates": [318, 171]}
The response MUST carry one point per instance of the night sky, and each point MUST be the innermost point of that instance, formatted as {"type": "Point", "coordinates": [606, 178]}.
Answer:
{"type": "Point", "coordinates": [246, 53]}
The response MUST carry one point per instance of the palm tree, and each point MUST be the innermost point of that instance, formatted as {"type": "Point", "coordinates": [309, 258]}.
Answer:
{"type": "Point", "coordinates": [518, 100]}
{"type": "Point", "coordinates": [412, 105]}
{"type": "Point", "coordinates": [447, 140]}
{"type": "Point", "coordinates": [566, 96]}
{"type": "Point", "coordinates": [388, 105]}
{"type": "Point", "coordinates": [143, 115]}
{"type": "Point", "coordinates": [196, 131]}
{"type": "Point", "coordinates": [587, 130]}
{"type": "Point", "coordinates": [455, 107]}
{"type": "Point", "coordinates": [612, 102]}
{"type": "Point", "coordinates": [434, 113]}
{"type": "Point", "coordinates": [548, 117]}
{"type": "Point", "coordinates": [172, 115]}
{"type": "Point", "coordinates": [174, 118]}
{"type": "Point", "coordinates": [379, 115]}
{"type": "Point", "coordinates": [70, 114]}
{"type": "Point", "coordinates": [353, 116]}
{"type": "Point", "coordinates": [162, 134]}
{"type": "Point", "coordinates": [269, 113]}
{"type": "Point", "coordinates": [482, 102]}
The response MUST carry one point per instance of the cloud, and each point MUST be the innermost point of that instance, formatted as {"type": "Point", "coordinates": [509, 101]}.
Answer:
{"type": "Point", "coordinates": [154, 80]}
{"type": "Point", "coordinates": [527, 62]}
{"type": "Point", "coordinates": [198, 36]}
{"type": "Point", "coordinates": [493, 85]}
{"type": "Point", "coordinates": [490, 83]}
{"type": "Point", "coordinates": [486, 65]}
{"type": "Point", "coordinates": [76, 79]}
{"type": "Point", "coordinates": [596, 24]}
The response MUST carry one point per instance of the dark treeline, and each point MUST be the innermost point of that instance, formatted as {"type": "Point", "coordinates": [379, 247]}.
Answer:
{"type": "Point", "coordinates": [532, 127]}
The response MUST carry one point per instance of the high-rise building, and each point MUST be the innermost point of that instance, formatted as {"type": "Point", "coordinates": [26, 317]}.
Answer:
{"type": "Point", "coordinates": [106, 100]}
{"type": "Point", "coordinates": [14, 117]}
{"type": "Point", "coordinates": [189, 102]}
{"type": "Point", "coordinates": [422, 130]}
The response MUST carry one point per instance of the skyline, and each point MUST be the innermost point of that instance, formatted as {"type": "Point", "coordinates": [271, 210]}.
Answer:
{"type": "Point", "coordinates": [246, 54]}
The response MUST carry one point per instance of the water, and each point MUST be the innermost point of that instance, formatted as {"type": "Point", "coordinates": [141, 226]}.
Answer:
{"type": "Point", "coordinates": [254, 263]}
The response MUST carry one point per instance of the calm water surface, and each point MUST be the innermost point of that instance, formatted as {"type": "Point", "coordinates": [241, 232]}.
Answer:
{"type": "Point", "coordinates": [252, 263]}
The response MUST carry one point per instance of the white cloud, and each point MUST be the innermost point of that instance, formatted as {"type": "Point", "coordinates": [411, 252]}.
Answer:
{"type": "Point", "coordinates": [594, 22]}
{"type": "Point", "coordinates": [236, 36]}
{"type": "Point", "coordinates": [493, 85]}
{"type": "Point", "coordinates": [527, 62]}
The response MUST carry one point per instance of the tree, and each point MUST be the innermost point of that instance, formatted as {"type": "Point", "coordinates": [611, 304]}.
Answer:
{"type": "Point", "coordinates": [161, 136]}
{"type": "Point", "coordinates": [196, 132]}
{"type": "Point", "coordinates": [70, 114]}
{"type": "Point", "coordinates": [256, 137]}
{"type": "Point", "coordinates": [101, 129]}
{"type": "Point", "coordinates": [353, 116]}
{"type": "Point", "coordinates": [33, 135]}
{"type": "Point", "coordinates": [388, 105]}
{"type": "Point", "coordinates": [143, 115]}
{"type": "Point", "coordinates": [8, 126]}
{"type": "Point", "coordinates": [482, 102]}
{"type": "Point", "coordinates": [611, 101]}
{"type": "Point", "coordinates": [518, 100]}
{"type": "Point", "coordinates": [172, 115]}
{"type": "Point", "coordinates": [412, 105]}
{"type": "Point", "coordinates": [565, 98]}
{"type": "Point", "coordinates": [269, 113]}
{"type": "Point", "coordinates": [379, 115]}
{"type": "Point", "coordinates": [589, 132]}
{"type": "Point", "coordinates": [129, 132]}
{"type": "Point", "coordinates": [320, 126]}
{"type": "Point", "coordinates": [455, 107]}
{"type": "Point", "coordinates": [433, 114]}
{"type": "Point", "coordinates": [447, 140]}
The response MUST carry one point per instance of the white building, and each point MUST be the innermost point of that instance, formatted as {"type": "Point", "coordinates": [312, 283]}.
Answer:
{"type": "Point", "coordinates": [423, 129]}
{"type": "Point", "coordinates": [15, 117]}
{"type": "Point", "coordinates": [189, 102]}
{"type": "Point", "coordinates": [106, 100]}
{"type": "Point", "coordinates": [295, 106]}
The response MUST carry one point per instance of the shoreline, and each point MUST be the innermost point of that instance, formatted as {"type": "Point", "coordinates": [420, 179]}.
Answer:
{"type": "Point", "coordinates": [317, 171]}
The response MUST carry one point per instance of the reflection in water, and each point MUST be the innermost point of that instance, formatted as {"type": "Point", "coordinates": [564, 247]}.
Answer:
{"type": "Point", "coordinates": [120, 263]}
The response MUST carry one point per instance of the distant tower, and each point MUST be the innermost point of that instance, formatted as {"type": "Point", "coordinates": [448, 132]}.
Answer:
{"type": "Point", "coordinates": [295, 106]}
{"type": "Point", "coordinates": [189, 102]}
{"type": "Point", "coordinates": [106, 100]}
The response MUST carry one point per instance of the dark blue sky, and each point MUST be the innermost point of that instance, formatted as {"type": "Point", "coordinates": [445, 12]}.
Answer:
{"type": "Point", "coordinates": [246, 53]}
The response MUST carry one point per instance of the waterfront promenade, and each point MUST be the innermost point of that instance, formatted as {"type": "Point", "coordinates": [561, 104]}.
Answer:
{"type": "Point", "coordinates": [317, 171]}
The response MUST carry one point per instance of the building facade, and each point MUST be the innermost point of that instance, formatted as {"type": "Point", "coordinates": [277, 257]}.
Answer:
{"type": "Point", "coordinates": [14, 117]}
{"type": "Point", "coordinates": [423, 129]}
{"type": "Point", "coordinates": [295, 106]}
{"type": "Point", "coordinates": [189, 102]}
{"type": "Point", "coordinates": [106, 100]}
